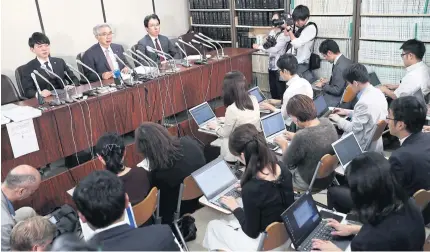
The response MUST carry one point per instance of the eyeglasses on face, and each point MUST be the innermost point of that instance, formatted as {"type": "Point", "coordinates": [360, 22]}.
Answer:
{"type": "Point", "coordinates": [106, 34]}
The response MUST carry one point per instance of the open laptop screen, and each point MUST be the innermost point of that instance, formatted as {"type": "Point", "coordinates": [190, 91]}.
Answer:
{"type": "Point", "coordinates": [272, 124]}
{"type": "Point", "coordinates": [373, 79]}
{"type": "Point", "coordinates": [214, 178]}
{"type": "Point", "coordinates": [347, 148]}
{"type": "Point", "coordinates": [202, 113]}
{"type": "Point", "coordinates": [320, 105]}
{"type": "Point", "coordinates": [301, 218]}
{"type": "Point", "coordinates": [256, 92]}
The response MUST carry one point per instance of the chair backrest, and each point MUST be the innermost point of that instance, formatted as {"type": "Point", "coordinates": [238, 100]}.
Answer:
{"type": "Point", "coordinates": [9, 93]}
{"type": "Point", "coordinates": [380, 127]}
{"type": "Point", "coordinates": [422, 198]}
{"type": "Point", "coordinates": [191, 189]}
{"type": "Point", "coordinates": [79, 57]}
{"type": "Point", "coordinates": [328, 165]}
{"type": "Point", "coordinates": [145, 209]}
{"type": "Point", "coordinates": [18, 77]}
{"type": "Point", "coordinates": [274, 236]}
{"type": "Point", "coordinates": [348, 95]}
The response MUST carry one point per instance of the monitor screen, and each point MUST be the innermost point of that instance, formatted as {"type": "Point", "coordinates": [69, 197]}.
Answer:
{"type": "Point", "coordinates": [373, 79]}
{"type": "Point", "coordinates": [213, 177]}
{"type": "Point", "coordinates": [347, 148]}
{"type": "Point", "coordinates": [256, 92]}
{"type": "Point", "coordinates": [320, 105]}
{"type": "Point", "coordinates": [202, 114]}
{"type": "Point", "coordinates": [301, 219]}
{"type": "Point", "coordinates": [273, 124]}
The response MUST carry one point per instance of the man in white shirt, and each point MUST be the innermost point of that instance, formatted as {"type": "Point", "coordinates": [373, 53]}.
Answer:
{"type": "Point", "coordinates": [288, 65]}
{"type": "Point", "coordinates": [416, 81]}
{"type": "Point", "coordinates": [302, 40]}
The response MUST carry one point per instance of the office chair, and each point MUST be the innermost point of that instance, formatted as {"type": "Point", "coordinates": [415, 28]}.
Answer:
{"type": "Point", "coordinates": [9, 93]}
{"type": "Point", "coordinates": [273, 237]}
{"type": "Point", "coordinates": [18, 77]}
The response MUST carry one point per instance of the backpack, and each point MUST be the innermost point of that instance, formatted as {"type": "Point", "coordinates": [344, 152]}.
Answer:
{"type": "Point", "coordinates": [65, 219]}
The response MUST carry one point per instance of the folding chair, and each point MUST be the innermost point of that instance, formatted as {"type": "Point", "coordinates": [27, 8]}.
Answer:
{"type": "Point", "coordinates": [145, 209]}
{"type": "Point", "coordinates": [273, 237]}
{"type": "Point", "coordinates": [379, 131]}
{"type": "Point", "coordinates": [348, 95]}
{"type": "Point", "coordinates": [422, 198]}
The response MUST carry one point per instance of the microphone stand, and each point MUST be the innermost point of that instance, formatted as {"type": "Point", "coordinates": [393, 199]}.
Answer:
{"type": "Point", "coordinates": [76, 96]}
{"type": "Point", "coordinates": [102, 89]}
{"type": "Point", "coordinates": [133, 72]}
{"type": "Point", "coordinates": [222, 49]}
{"type": "Point", "coordinates": [57, 101]}
{"type": "Point", "coordinates": [143, 59]}
{"type": "Point", "coordinates": [171, 63]}
{"type": "Point", "coordinates": [210, 43]}
{"type": "Point", "coordinates": [185, 62]}
{"type": "Point", "coordinates": [198, 62]}
{"type": "Point", "coordinates": [49, 72]}
{"type": "Point", "coordinates": [91, 91]}
{"type": "Point", "coordinates": [40, 98]}
{"type": "Point", "coordinates": [140, 77]}
{"type": "Point", "coordinates": [150, 60]}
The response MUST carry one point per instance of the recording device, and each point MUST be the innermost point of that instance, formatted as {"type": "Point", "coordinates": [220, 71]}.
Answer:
{"type": "Point", "coordinates": [216, 42]}
{"type": "Point", "coordinates": [76, 96]}
{"type": "Point", "coordinates": [143, 59]}
{"type": "Point", "coordinates": [40, 98]}
{"type": "Point", "coordinates": [91, 91]}
{"type": "Point", "coordinates": [284, 19]}
{"type": "Point", "coordinates": [49, 72]}
{"type": "Point", "coordinates": [57, 101]}
{"type": "Point", "coordinates": [198, 62]}
{"type": "Point", "coordinates": [122, 81]}
{"type": "Point", "coordinates": [185, 62]}
{"type": "Point", "coordinates": [102, 89]}
{"type": "Point", "coordinates": [210, 43]}
{"type": "Point", "coordinates": [149, 60]}
{"type": "Point", "coordinates": [134, 74]}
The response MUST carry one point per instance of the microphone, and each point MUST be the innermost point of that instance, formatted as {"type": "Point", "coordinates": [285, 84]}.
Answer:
{"type": "Point", "coordinates": [171, 62]}
{"type": "Point", "coordinates": [134, 72]}
{"type": "Point", "coordinates": [201, 43]}
{"type": "Point", "coordinates": [210, 43]}
{"type": "Point", "coordinates": [40, 98]}
{"type": "Point", "coordinates": [56, 102]}
{"type": "Point", "coordinates": [153, 50]}
{"type": "Point", "coordinates": [222, 49]}
{"type": "Point", "coordinates": [149, 60]}
{"type": "Point", "coordinates": [68, 100]}
{"type": "Point", "coordinates": [141, 58]}
{"type": "Point", "coordinates": [101, 89]}
{"type": "Point", "coordinates": [201, 61]}
{"type": "Point", "coordinates": [187, 63]}
{"type": "Point", "coordinates": [89, 92]}
{"type": "Point", "coordinates": [76, 96]}
{"type": "Point", "coordinates": [135, 61]}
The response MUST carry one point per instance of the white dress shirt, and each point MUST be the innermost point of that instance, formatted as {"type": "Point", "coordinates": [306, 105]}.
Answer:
{"type": "Point", "coordinates": [336, 59]}
{"type": "Point", "coordinates": [112, 57]}
{"type": "Point", "coordinates": [42, 62]}
{"type": "Point", "coordinates": [304, 44]}
{"type": "Point", "coordinates": [417, 77]}
{"type": "Point", "coordinates": [155, 44]}
{"type": "Point", "coordinates": [296, 85]}
{"type": "Point", "coordinates": [403, 140]}
{"type": "Point", "coordinates": [276, 51]}
{"type": "Point", "coordinates": [111, 226]}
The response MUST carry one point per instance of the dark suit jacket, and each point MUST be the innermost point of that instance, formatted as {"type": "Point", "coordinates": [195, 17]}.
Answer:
{"type": "Point", "coordinates": [58, 66]}
{"type": "Point", "coordinates": [166, 46]}
{"type": "Point", "coordinates": [95, 58]}
{"type": "Point", "coordinates": [126, 238]}
{"type": "Point", "coordinates": [411, 163]}
{"type": "Point", "coordinates": [334, 89]}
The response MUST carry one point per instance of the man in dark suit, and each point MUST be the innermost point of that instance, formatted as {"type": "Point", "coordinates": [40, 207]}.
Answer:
{"type": "Point", "coordinates": [333, 88]}
{"type": "Point", "coordinates": [100, 57]}
{"type": "Point", "coordinates": [101, 200]}
{"type": "Point", "coordinates": [40, 45]}
{"type": "Point", "coordinates": [155, 40]}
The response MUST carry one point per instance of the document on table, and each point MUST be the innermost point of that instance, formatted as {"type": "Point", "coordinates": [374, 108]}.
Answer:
{"type": "Point", "coordinates": [22, 136]}
{"type": "Point", "coordinates": [19, 113]}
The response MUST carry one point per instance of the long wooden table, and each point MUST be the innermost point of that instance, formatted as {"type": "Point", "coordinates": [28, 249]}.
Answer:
{"type": "Point", "coordinates": [67, 129]}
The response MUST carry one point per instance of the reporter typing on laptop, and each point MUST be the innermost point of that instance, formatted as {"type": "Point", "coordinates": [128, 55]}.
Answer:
{"type": "Point", "coordinates": [391, 220]}
{"type": "Point", "coordinates": [266, 192]}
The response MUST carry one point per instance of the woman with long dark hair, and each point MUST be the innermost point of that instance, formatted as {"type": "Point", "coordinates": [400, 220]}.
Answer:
{"type": "Point", "coordinates": [267, 191]}
{"type": "Point", "coordinates": [241, 108]}
{"type": "Point", "coordinates": [391, 220]}
{"type": "Point", "coordinates": [110, 150]}
{"type": "Point", "coordinates": [170, 161]}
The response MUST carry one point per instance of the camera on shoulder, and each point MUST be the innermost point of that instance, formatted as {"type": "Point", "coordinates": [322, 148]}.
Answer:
{"type": "Point", "coordinates": [284, 19]}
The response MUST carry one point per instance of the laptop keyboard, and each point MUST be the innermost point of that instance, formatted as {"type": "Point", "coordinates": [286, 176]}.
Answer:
{"type": "Point", "coordinates": [233, 193]}
{"type": "Point", "coordinates": [274, 146]}
{"type": "Point", "coordinates": [321, 232]}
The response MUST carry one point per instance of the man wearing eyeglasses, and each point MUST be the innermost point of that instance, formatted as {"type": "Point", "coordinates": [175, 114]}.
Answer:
{"type": "Point", "coordinates": [155, 40]}
{"type": "Point", "coordinates": [416, 81]}
{"type": "Point", "coordinates": [101, 56]}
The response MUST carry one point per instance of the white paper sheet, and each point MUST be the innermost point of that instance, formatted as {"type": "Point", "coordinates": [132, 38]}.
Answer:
{"type": "Point", "coordinates": [20, 113]}
{"type": "Point", "coordinates": [22, 137]}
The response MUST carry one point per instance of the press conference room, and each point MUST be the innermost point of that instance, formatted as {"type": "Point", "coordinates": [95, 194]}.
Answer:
{"type": "Point", "coordinates": [229, 125]}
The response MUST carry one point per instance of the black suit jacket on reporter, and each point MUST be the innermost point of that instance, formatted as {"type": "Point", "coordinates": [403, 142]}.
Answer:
{"type": "Point", "coordinates": [334, 89]}
{"type": "Point", "coordinates": [58, 67]}
{"type": "Point", "coordinates": [95, 58]}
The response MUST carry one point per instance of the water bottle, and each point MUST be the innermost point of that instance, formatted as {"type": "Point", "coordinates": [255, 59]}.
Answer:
{"type": "Point", "coordinates": [117, 77]}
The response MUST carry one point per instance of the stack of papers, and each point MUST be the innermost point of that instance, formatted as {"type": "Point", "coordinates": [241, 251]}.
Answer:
{"type": "Point", "coordinates": [19, 113]}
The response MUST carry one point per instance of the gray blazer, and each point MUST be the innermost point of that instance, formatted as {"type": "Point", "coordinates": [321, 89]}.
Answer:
{"type": "Point", "coordinates": [334, 89]}
{"type": "Point", "coordinates": [7, 223]}
{"type": "Point", "coordinates": [166, 46]}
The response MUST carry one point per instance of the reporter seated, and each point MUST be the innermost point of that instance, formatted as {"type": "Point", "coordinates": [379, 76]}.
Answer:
{"type": "Point", "coordinates": [266, 192]}
{"type": "Point", "coordinates": [40, 45]}
{"type": "Point", "coordinates": [288, 65]}
{"type": "Point", "coordinates": [308, 145]}
{"type": "Point", "coordinates": [101, 200]}
{"type": "Point", "coordinates": [110, 152]}
{"type": "Point", "coordinates": [241, 107]}
{"type": "Point", "coordinates": [33, 234]}
{"type": "Point", "coordinates": [391, 220]}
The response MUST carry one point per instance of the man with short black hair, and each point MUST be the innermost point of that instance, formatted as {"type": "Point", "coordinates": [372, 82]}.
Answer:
{"type": "Point", "coordinates": [155, 40]}
{"type": "Point", "coordinates": [32, 234]}
{"type": "Point", "coordinates": [368, 111]}
{"type": "Point", "coordinates": [333, 88]}
{"type": "Point", "coordinates": [416, 81]}
{"type": "Point", "coordinates": [41, 46]}
{"type": "Point", "coordinates": [302, 40]}
{"type": "Point", "coordinates": [101, 200]}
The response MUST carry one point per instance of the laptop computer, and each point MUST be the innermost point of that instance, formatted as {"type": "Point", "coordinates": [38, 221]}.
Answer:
{"type": "Point", "coordinates": [304, 223]}
{"type": "Point", "coordinates": [202, 115]}
{"type": "Point", "coordinates": [216, 180]}
{"type": "Point", "coordinates": [373, 79]}
{"type": "Point", "coordinates": [321, 107]}
{"type": "Point", "coordinates": [273, 125]}
{"type": "Point", "coordinates": [346, 149]}
{"type": "Point", "coordinates": [256, 91]}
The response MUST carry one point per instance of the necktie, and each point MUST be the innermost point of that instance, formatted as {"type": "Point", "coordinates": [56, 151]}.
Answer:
{"type": "Point", "coordinates": [47, 66]}
{"type": "Point", "coordinates": [109, 60]}
{"type": "Point", "coordinates": [159, 49]}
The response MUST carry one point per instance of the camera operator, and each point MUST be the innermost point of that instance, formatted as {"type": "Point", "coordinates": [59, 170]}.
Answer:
{"type": "Point", "coordinates": [302, 40]}
{"type": "Point", "coordinates": [275, 45]}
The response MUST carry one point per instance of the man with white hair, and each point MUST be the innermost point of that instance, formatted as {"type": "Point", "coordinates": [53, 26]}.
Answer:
{"type": "Point", "coordinates": [32, 234]}
{"type": "Point", "coordinates": [21, 182]}
{"type": "Point", "coordinates": [101, 56]}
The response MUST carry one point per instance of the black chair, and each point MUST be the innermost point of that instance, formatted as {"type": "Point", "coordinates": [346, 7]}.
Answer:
{"type": "Point", "coordinates": [18, 77]}
{"type": "Point", "coordinates": [9, 93]}
{"type": "Point", "coordinates": [79, 57]}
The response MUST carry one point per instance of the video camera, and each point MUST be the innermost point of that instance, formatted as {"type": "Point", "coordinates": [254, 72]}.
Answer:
{"type": "Point", "coordinates": [284, 19]}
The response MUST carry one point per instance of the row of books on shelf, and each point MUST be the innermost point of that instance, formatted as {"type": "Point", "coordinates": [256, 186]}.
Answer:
{"type": "Point", "coordinates": [216, 17]}
{"type": "Point", "coordinates": [328, 6]}
{"type": "Point", "coordinates": [244, 40]}
{"type": "Point", "coordinates": [395, 28]}
{"type": "Point", "coordinates": [255, 18]}
{"type": "Point", "coordinates": [259, 4]}
{"type": "Point", "coordinates": [220, 34]}
{"type": "Point", "coordinates": [209, 4]}
{"type": "Point", "coordinates": [394, 6]}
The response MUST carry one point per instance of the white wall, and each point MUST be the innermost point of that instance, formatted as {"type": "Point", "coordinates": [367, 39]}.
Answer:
{"type": "Point", "coordinates": [69, 23]}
